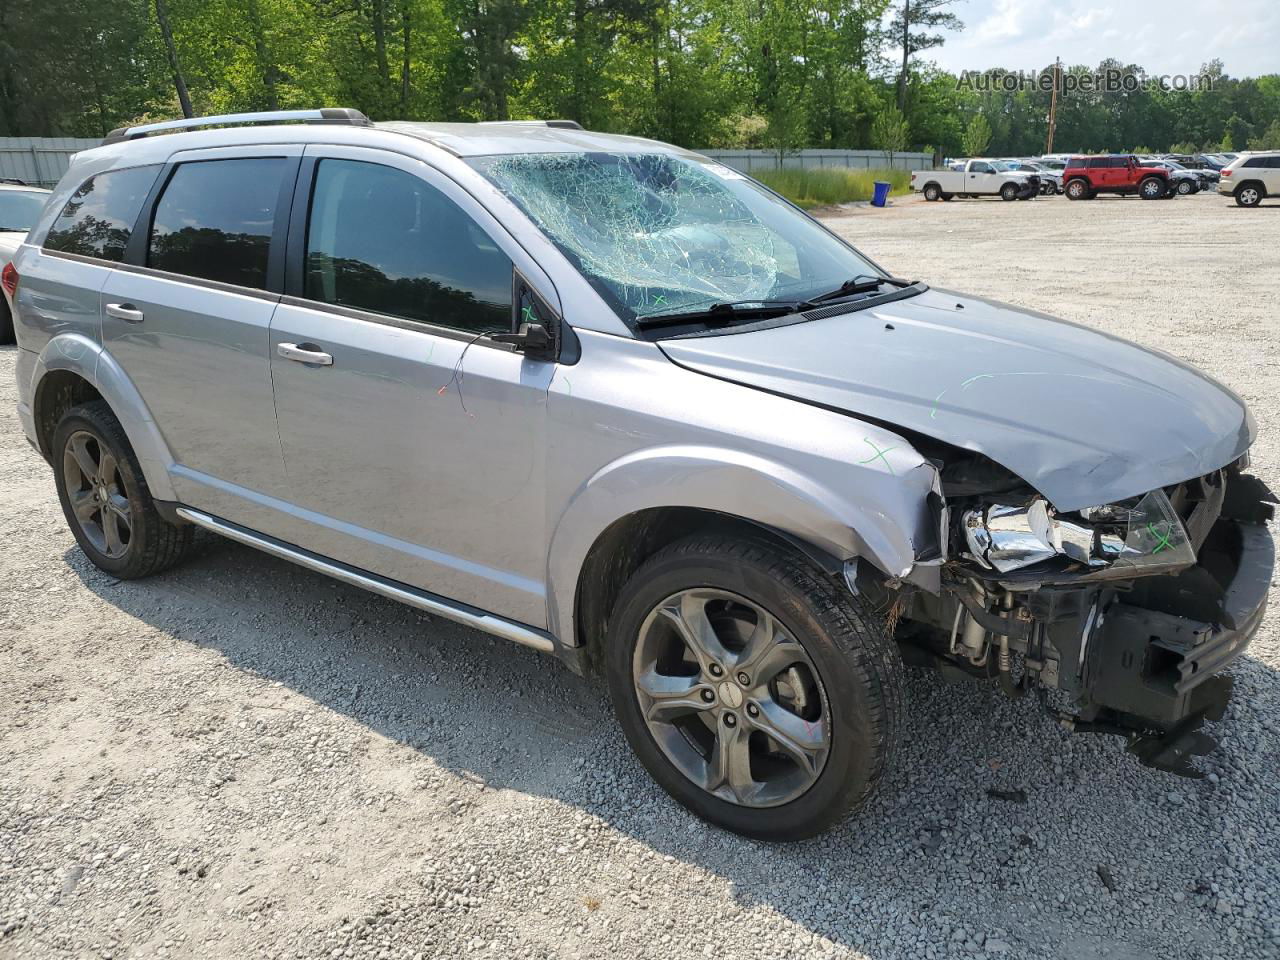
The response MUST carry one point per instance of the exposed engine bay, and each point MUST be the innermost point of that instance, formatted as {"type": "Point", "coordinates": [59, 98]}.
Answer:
{"type": "Point", "coordinates": [1128, 610]}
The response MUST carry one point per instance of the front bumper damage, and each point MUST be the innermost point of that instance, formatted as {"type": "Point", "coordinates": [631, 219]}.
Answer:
{"type": "Point", "coordinates": [1140, 657]}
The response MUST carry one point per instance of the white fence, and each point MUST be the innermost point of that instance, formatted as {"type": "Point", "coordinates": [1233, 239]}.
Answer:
{"type": "Point", "coordinates": [39, 160]}
{"type": "Point", "coordinates": [754, 161]}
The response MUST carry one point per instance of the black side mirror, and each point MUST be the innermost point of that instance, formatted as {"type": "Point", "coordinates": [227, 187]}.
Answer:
{"type": "Point", "coordinates": [533, 340]}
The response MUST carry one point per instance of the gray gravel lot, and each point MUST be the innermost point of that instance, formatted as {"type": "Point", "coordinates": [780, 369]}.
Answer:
{"type": "Point", "coordinates": [243, 759]}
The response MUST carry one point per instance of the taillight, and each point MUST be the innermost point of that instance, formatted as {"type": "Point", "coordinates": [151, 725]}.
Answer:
{"type": "Point", "coordinates": [1226, 173]}
{"type": "Point", "coordinates": [9, 279]}
{"type": "Point", "coordinates": [913, 178]}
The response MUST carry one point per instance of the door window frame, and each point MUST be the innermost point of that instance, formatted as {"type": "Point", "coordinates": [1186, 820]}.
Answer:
{"type": "Point", "coordinates": [135, 254]}
{"type": "Point", "coordinates": [524, 267]}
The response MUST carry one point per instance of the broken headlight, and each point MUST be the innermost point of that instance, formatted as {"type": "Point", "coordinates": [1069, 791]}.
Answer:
{"type": "Point", "coordinates": [1106, 537]}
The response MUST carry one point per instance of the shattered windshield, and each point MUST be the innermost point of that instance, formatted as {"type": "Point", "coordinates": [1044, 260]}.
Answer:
{"type": "Point", "coordinates": [658, 234]}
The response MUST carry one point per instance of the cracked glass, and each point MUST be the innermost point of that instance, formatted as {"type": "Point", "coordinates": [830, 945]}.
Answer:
{"type": "Point", "coordinates": [658, 233]}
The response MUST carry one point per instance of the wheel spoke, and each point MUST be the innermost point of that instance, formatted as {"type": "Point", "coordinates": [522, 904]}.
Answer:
{"type": "Point", "coordinates": [106, 467]}
{"type": "Point", "coordinates": [766, 658]}
{"type": "Point", "coordinates": [111, 532]}
{"type": "Point", "coordinates": [688, 614]}
{"type": "Point", "coordinates": [729, 768]}
{"type": "Point", "coordinates": [671, 697]}
{"type": "Point", "coordinates": [804, 741]}
{"type": "Point", "coordinates": [83, 505]}
{"type": "Point", "coordinates": [84, 459]}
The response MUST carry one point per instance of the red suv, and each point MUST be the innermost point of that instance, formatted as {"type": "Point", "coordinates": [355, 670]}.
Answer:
{"type": "Point", "coordinates": [1086, 177]}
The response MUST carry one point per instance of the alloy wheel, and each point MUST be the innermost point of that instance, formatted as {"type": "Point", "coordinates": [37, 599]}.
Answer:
{"type": "Point", "coordinates": [731, 697]}
{"type": "Point", "coordinates": [95, 490]}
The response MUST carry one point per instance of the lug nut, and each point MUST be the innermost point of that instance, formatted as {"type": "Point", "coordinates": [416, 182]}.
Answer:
{"type": "Point", "coordinates": [753, 710]}
{"type": "Point", "coordinates": [716, 670]}
{"type": "Point", "coordinates": [708, 696]}
{"type": "Point", "coordinates": [730, 720]}
{"type": "Point", "coordinates": [744, 680]}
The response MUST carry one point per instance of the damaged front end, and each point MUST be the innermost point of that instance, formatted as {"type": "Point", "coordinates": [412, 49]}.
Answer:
{"type": "Point", "coordinates": [1129, 610]}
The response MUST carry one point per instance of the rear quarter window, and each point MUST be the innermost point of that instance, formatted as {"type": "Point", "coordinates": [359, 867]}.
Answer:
{"type": "Point", "coordinates": [98, 219]}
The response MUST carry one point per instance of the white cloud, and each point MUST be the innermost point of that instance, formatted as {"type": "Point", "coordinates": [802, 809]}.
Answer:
{"type": "Point", "coordinates": [1183, 35]}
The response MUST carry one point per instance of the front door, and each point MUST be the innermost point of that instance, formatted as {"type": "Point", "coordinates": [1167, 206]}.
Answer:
{"type": "Point", "coordinates": [187, 317]}
{"type": "Point", "coordinates": [414, 444]}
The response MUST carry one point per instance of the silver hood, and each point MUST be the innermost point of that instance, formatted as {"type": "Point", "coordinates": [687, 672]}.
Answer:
{"type": "Point", "coordinates": [1084, 417]}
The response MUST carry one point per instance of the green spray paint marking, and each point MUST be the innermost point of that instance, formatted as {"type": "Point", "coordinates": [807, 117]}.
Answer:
{"type": "Point", "coordinates": [878, 455]}
{"type": "Point", "coordinates": [527, 314]}
{"type": "Point", "coordinates": [1162, 538]}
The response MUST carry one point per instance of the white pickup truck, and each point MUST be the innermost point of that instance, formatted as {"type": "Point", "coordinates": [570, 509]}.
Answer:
{"type": "Point", "coordinates": [978, 177]}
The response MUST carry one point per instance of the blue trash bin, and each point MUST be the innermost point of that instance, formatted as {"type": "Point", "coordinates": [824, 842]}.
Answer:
{"type": "Point", "coordinates": [882, 193]}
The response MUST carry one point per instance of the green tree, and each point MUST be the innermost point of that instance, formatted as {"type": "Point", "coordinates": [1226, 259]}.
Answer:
{"type": "Point", "coordinates": [977, 135]}
{"type": "Point", "coordinates": [890, 132]}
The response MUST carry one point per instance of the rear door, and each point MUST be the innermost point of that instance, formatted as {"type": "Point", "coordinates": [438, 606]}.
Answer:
{"type": "Point", "coordinates": [415, 445]}
{"type": "Point", "coordinates": [187, 317]}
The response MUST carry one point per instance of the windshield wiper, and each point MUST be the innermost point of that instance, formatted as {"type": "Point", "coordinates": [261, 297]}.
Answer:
{"type": "Point", "coordinates": [726, 312]}
{"type": "Point", "coordinates": [862, 283]}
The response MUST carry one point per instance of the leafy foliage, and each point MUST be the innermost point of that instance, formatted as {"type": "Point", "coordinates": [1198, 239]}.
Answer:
{"type": "Point", "coordinates": [823, 187]}
{"type": "Point", "coordinates": [776, 74]}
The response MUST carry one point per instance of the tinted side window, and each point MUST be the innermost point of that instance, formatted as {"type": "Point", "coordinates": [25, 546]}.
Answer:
{"type": "Point", "coordinates": [383, 240]}
{"type": "Point", "coordinates": [99, 217]}
{"type": "Point", "coordinates": [215, 218]}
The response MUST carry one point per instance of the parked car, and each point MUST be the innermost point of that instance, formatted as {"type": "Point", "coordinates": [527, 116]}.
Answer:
{"type": "Point", "coordinates": [1086, 177]}
{"type": "Point", "coordinates": [619, 403]}
{"type": "Point", "coordinates": [19, 206]}
{"type": "Point", "coordinates": [1252, 177]}
{"type": "Point", "coordinates": [1181, 180]}
{"type": "Point", "coordinates": [1050, 180]}
{"type": "Point", "coordinates": [980, 177]}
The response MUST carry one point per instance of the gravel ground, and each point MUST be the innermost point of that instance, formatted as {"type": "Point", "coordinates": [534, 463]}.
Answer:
{"type": "Point", "coordinates": [240, 758]}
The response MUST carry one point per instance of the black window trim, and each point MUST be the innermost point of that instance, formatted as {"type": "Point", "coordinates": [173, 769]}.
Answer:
{"type": "Point", "coordinates": [295, 269]}
{"type": "Point", "coordinates": [135, 254]}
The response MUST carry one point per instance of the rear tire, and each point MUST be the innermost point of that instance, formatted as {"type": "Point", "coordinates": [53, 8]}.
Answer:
{"type": "Point", "coordinates": [932, 192]}
{"type": "Point", "coordinates": [6, 323]}
{"type": "Point", "coordinates": [692, 625]}
{"type": "Point", "coordinates": [105, 498]}
{"type": "Point", "coordinates": [1248, 195]}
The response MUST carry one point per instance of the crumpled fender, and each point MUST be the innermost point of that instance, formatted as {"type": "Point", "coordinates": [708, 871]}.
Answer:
{"type": "Point", "coordinates": [79, 354]}
{"type": "Point", "coordinates": [872, 514]}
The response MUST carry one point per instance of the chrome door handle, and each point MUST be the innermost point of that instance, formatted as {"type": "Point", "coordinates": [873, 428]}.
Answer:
{"type": "Point", "coordinates": [125, 311]}
{"type": "Point", "coordinates": [305, 353]}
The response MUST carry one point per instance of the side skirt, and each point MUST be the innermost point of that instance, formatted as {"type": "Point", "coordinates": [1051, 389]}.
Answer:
{"type": "Point", "coordinates": [430, 602]}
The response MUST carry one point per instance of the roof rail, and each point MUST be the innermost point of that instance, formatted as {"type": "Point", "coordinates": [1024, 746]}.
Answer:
{"type": "Point", "coordinates": [323, 115]}
{"type": "Point", "coordinates": [561, 124]}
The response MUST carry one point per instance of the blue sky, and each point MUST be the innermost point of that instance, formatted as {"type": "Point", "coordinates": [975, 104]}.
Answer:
{"type": "Point", "coordinates": [1164, 36]}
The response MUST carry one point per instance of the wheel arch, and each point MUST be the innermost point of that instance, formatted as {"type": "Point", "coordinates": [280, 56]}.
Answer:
{"type": "Point", "coordinates": [73, 369]}
{"type": "Point", "coordinates": [624, 546]}
{"type": "Point", "coordinates": [640, 504]}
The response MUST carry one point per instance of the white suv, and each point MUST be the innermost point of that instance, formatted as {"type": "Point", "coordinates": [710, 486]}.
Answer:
{"type": "Point", "coordinates": [1252, 177]}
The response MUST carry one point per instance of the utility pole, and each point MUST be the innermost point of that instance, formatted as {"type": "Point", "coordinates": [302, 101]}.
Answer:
{"type": "Point", "coordinates": [1053, 102]}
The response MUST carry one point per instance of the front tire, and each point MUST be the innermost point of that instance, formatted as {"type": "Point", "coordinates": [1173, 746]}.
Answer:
{"type": "Point", "coordinates": [757, 691]}
{"type": "Point", "coordinates": [1152, 188]}
{"type": "Point", "coordinates": [1009, 192]}
{"type": "Point", "coordinates": [1186, 187]}
{"type": "Point", "coordinates": [105, 498]}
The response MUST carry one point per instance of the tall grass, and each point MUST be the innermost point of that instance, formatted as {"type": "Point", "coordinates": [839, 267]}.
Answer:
{"type": "Point", "coordinates": [820, 187]}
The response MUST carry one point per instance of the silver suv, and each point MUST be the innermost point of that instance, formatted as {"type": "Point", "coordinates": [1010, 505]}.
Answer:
{"type": "Point", "coordinates": [614, 401]}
